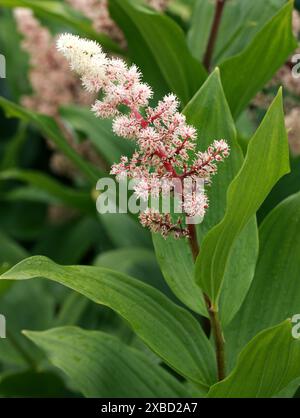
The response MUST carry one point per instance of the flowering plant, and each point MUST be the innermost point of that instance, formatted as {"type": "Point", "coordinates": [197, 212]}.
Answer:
{"type": "Point", "coordinates": [184, 99]}
{"type": "Point", "coordinates": [164, 139]}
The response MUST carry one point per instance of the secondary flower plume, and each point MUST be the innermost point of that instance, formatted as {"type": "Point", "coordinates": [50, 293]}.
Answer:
{"type": "Point", "coordinates": [59, 87]}
{"type": "Point", "coordinates": [98, 12]}
{"type": "Point", "coordinates": [166, 143]}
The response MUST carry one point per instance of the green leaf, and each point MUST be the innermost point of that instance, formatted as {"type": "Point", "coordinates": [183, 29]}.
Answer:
{"type": "Point", "coordinates": [157, 45]}
{"type": "Point", "coordinates": [64, 14]}
{"type": "Point", "coordinates": [99, 365]}
{"type": "Point", "coordinates": [99, 132]}
{"type": "Point", "coordinates": [208, 111]}
{"type": "Point", "coordinates": [239, 272]}
{"type": "Point", "coordinates": [267, 160]}
{"type": "Point", "coordinates": [266, 366]}
{"type": "Point", "coordinates": [274, 294]}
{"type": "Point", "coordinates": [267, 52]}
{"type": "Point", "coordinates": [50, 129]}
{"type": "Point", "coordinates": [177, 265]}
{"type": "Point", "coordinates": [55, 192]}
{"type": "Point", "coordinates": [170, 331]}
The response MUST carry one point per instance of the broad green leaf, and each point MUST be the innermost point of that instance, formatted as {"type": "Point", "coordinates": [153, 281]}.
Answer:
{"type": "Point", "coordinates": [265, 366]}
{"type": "Point", "coordinates": [50, 129]}
{"type": "Point", "coordinates": [239, 272]}
{"type": "Point", "coordinates": [64, 14]}
{"type": "Point", "coordinates": [266, 161]}
{"type": "Point", "coordinates": [177, 265]}
{"type": "Point", "coordinates": [99, 365]}
{"type": "Point", "coordinates": [246, 73]}
{"type": "Point", "coordinates": [170, 331]}
{"type": "Point", "coordinates": [208, 111]}
{"type": "Point", "coordinates": [99, 132]}
{"type": "Point", "coordinates": [274, 294]}
{"type": "Point", "coordinates": [157, 45]}
{"type": "Point", "coordinates": [55, 191]}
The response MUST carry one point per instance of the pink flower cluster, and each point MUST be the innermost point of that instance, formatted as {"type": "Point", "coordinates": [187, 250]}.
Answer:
{"type": "Point", "coordinates": [166, 143]}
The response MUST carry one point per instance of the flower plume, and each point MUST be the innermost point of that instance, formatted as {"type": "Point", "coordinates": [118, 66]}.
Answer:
{"type": "Point", "coordinates": [166, 143]}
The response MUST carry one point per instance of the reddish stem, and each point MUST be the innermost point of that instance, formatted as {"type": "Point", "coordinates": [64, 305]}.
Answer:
{"type": "Point", "coordinates": [212, 311]}
{"type": "Point", "coordinates": [214, 33]}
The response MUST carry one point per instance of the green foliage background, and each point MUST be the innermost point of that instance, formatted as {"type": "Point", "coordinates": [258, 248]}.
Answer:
{"type": "Point", "coordinates": [111, 311]}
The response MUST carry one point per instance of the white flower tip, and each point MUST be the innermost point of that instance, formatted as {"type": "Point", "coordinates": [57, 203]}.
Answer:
{"type": "Point", "coordinates": [85, 56]}
{"type": "Point", "coordinates": [65, 42]}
